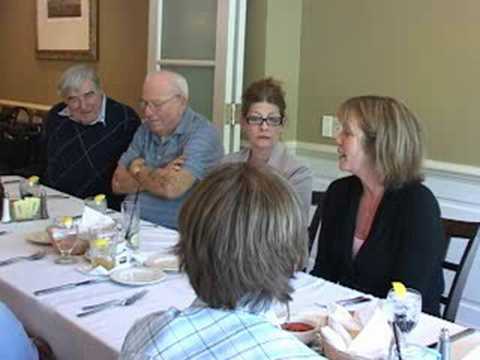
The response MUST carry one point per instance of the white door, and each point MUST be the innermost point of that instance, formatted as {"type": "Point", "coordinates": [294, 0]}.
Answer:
{"type": "Point", "coordinates": [204, 41]}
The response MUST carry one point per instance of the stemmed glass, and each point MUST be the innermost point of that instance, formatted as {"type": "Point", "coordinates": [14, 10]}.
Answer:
{"type": "Point", "coordinates": [404, 310]}
{"type": "Point", "coordinates": [65, 240]}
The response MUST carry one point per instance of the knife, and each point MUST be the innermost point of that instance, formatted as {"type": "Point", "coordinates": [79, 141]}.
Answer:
{"type": "Point", "coordinates": [67, 286]}
{"type": "Point", "coordinates": [455, 337]}
{"type": "Point", "coordinates": [57, 196]}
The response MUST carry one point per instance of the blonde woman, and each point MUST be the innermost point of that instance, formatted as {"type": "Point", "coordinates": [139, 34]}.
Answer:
{"type": "Point", "coordinates": [381, 224]}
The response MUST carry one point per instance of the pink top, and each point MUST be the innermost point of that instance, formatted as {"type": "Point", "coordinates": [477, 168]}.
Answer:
{"type": "Point", "coordinates": [357, 244]}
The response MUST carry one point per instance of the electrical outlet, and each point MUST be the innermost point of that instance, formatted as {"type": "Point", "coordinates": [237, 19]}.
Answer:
{"type": "Point", "coordinates": [337, 127]}
{"type": "Point", "coordinates": [327, 125]}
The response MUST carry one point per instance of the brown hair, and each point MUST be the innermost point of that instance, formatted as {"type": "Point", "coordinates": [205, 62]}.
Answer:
{"type": "Point", "coordinates": [266, 90]}
{"type": "Point", "coordinates": [242, 237]}
{"type": "Point", "coordinates": [393, 137]}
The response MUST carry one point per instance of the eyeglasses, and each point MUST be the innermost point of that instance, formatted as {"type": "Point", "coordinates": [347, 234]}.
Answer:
{"type": "Point", "coordinates": [155, 104]}
{"type": "Point", "coordinates": [75, 101]}
{"type": "Point", "coordinates": [259, 120]}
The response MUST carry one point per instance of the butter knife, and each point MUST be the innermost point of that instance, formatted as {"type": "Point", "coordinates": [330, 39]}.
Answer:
{"type": "Point", "coordinates": [67, 286]}
{"type": "Point", "coordinates": [455, 337]}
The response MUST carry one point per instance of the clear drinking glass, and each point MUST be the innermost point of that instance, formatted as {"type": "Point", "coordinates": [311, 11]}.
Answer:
{"type": "Point", "coordinates": [405, 311]}
{"type": "Point", "coordinates": [103, 247]}
{"type": "Point", "coordinates": [131, 222]}
{"type": "Point", "coordinates": [65, 239]}
{"type": "Point", "coordinates": [98, 202]}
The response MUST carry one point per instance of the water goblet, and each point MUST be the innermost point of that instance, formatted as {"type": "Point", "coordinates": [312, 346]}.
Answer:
{"type": "Point", "coordinates": [65, 239]}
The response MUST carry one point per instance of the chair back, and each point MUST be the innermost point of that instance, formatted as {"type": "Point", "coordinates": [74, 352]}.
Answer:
{"type": "Point", "coordinates": [466, 231]}
{"type": "Point", "coordinates": [317, 200]}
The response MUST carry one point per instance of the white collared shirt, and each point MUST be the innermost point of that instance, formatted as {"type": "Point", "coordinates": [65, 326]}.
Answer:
{"type": "Point", "coordinates": [101, 116]}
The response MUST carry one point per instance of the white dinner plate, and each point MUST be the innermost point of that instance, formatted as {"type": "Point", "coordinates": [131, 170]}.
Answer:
{"type": "Point", "coordinates": [38, 237]}
{"type": "Point", "coordinates": [137, 276]}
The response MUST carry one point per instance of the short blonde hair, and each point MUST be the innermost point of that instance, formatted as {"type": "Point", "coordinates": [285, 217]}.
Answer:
{"type": "Point", "coordinates": [393, 137]}
{"type": "Point", "coordinates": [242, 237]}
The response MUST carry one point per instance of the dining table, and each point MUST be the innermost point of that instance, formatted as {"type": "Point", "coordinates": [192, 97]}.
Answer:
{"type": "Point", "coordinates": [54, 316]}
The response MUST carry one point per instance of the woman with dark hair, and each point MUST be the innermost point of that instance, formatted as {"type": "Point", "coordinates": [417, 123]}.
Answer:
{"type": "Point", "coordinates": [241, 240]}
{"type": "Point", "coordinates": [381, 224]}
{"type": "Point", "coordinates": [263, 120]}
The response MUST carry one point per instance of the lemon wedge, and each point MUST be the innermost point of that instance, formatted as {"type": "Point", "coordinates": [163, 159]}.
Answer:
{"type": "Point", "coordinates": [101, 243]}
{"type": "Point", "coordinates": [33, 180]}
{"type": "Point", "coordinates": [99, 198]}
{"type": "Point", "coordinates": [399, 289]}
{"type": "Point", "coordinates": [67, 221]}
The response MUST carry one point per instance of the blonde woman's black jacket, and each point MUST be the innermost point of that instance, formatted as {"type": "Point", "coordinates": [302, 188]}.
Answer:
{"type": "Point", "coordinates": [406, 242]}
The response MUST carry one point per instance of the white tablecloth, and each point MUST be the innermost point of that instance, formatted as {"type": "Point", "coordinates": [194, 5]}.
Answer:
{"type": "Point", "coordinates": [100, 336]}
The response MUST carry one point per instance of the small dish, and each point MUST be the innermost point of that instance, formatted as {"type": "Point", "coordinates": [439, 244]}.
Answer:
{"type": "Point", "coordinates": [305, 325]}
{"type": "Point", "coordinates": [38, 237]}
{"type": "Point", "coordinates": [137, 276]}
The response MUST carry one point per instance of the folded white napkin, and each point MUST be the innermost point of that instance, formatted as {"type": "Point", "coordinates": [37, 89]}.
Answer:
{"type": "Point", "coordinates": [366, 334]}
{"type": "Point", "coordinates": [93, 219]}
{"type": "Point", "coordinates": [473, 354]}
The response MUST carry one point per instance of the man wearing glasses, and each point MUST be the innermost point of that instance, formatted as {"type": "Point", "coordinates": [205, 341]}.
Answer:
{"type": "Point", "coordinates": [85, 136]}
{"type": "Point", "coordinates": [171, 150]}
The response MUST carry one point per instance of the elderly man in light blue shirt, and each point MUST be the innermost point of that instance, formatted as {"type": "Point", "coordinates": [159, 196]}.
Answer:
{"type": "Point", "coordinates": [171, 150]}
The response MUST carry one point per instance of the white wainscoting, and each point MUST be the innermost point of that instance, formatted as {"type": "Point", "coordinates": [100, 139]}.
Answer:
{"type": "Point", "coordinates": [457, 188]}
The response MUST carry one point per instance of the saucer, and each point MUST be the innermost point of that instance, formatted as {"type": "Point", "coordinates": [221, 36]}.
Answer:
{"type": "Point", "coordinates": [137, 276]}
{"type": "Point", "coordinates": [38, 237]}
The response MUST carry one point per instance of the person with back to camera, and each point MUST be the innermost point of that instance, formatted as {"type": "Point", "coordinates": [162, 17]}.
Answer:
{"type": "Point", "coordinates": [85, 135]}
{"type": "Point", "coordinates": [263, 120]}
{"type": "Point", "coordinates": [241, 240]}
{"type": "Point", "coordinates": [381, 224]}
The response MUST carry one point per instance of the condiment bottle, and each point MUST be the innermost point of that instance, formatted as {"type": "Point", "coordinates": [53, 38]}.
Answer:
{"type": "Point", "coordinates": [444, 344]}
{"type": "Point", "coordinates": [6, 210]}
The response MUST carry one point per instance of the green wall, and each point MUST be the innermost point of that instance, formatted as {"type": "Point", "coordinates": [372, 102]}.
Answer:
{"type": "Point", "coordinates": [273, 49]}
{"type": "Point", "coordinates": [425, 52]}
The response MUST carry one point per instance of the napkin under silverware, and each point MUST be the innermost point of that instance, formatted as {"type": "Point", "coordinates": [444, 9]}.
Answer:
{"type": "Point", "coordinates": [68, 286]}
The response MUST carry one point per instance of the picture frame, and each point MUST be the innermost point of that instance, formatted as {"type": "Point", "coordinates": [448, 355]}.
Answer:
{"type": "Point", "coordinates": [67, 29]}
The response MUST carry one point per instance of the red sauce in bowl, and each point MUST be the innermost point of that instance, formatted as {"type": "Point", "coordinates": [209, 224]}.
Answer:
{"type": "Point", "coordinates": [297, 326]}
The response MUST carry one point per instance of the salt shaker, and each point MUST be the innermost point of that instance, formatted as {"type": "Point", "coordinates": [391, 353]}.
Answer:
{"type": "Point", "coordinates": [444, 344]}
{"type": "Point", "coordinates": [6, 210]}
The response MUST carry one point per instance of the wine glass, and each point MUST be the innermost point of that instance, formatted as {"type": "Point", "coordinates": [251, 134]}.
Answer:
{"type": "Point", "coordinates": [65, 240]}
{"type": "Point", "coordinates": [404, 310]}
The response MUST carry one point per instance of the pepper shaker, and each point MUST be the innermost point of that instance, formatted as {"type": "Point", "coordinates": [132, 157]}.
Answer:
{"type": "Point", "coordinates": [444, 344]}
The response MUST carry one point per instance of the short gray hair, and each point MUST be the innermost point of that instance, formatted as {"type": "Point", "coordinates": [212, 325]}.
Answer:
{"type": "Point", "coordinates": [73, 78]}
{"type": "Point", "coordinates": [242, 237]}
{"type": "Point", "coordinates": [177, 82]}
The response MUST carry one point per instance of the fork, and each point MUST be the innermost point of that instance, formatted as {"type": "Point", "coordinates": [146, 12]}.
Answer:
{"type": "Point", "coordinates": [92, 309]}
{"type": "Point", "coordinates": [35, 256]}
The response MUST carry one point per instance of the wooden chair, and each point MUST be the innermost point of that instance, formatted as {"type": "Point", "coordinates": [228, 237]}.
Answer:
{"type": "Point", "coordinates": [317, 200]}
{"type": "Point", "coordinates": [466, 231]}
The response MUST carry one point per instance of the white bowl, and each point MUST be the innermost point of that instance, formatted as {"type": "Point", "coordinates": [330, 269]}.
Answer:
{"type": "Point", "coordinates": [306, 336]}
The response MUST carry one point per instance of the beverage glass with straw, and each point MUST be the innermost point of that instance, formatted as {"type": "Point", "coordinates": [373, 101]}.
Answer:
{"type": "Point", "coordinates": [404, 306]}
{"type": "Point", "coordinates": [131, 222]}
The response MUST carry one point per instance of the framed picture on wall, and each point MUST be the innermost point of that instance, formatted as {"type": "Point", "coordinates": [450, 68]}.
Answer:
{"type": "Point", "coordinates": [67, 29]}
